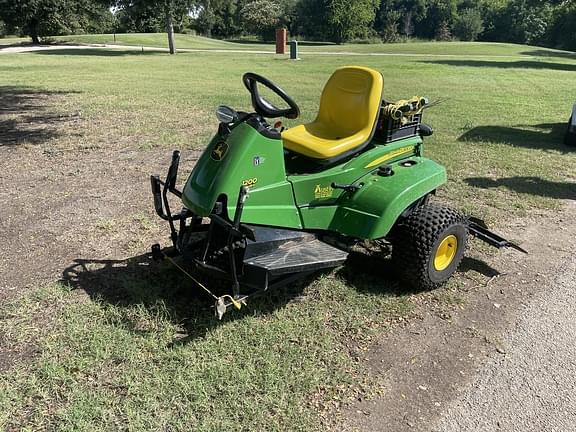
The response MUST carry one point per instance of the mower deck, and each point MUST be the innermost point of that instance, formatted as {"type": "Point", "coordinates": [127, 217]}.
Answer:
{"type": "Point", "coordinates": [304, 254]}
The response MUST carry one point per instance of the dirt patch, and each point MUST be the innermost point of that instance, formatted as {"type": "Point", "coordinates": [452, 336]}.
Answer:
{"type": "Point", "coordinates": [60, 203]}
{"type": "Point", "coordinates": [422, 364]}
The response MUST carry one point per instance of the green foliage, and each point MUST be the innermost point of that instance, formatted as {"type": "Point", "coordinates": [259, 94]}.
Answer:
{"type": "Point", "coordinates": [537, 22]}
{"type": "Point", "coordinates": [139, 18]}
{"type": "Point", "coordinates": [219, 18]}
{"type": "Point", "coordinates": [261, 17]}
{"type": "Point", "coordinates": [55, 17]}
{"type": "Point", "coordinates": [390, 26]}
{"type": "Point", "coordinates": [520, 21]}
{"type": "Point", "coordinates": [562, 32]}
{"type": "Point", "coordinates": [348, 20]}
{"type": "Point", "coordinates": [468, 25]}
{"type": "Point", "coordinates": [438, 21]}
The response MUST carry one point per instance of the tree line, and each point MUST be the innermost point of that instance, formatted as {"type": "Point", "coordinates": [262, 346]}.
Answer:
{"type": "Point", "coordinates": [547, 23]}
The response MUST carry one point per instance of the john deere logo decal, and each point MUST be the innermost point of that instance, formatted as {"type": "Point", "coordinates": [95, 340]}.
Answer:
{"type": "Point", "coordinates": [219, 151]}
{"type": "Point", "coordinates": [323, 192]}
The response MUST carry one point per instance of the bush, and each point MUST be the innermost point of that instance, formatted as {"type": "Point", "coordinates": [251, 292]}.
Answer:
{"type": "Point", "coordinates": [562, 34]}
{"type": "Point", "coordinates": [468, 25]}
{"type": "Point", "coordinates": [390, 26]}
{"type": "Point", "coordinates": [443, 32]}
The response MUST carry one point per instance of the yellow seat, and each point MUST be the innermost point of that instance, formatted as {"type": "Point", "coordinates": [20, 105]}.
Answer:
{"type": "Point", "coordinates": [348, 111]}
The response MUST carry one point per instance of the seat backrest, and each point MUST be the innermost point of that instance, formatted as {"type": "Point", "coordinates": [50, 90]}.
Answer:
{"type": "Point", "coordinates": [351, 100]}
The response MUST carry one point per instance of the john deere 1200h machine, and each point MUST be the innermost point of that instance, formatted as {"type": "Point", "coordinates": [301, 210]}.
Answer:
{"type": "Point", "coordinates": [265, 205]}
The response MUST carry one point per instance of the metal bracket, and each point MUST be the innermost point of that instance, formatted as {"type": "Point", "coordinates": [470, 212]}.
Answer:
{"type": "Point", "coordinates": [479, 229]}
{"type": "Point", "coordinates": [351, 188]}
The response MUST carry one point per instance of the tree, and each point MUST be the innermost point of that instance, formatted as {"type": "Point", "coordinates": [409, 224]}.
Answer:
{"type": "Point", "coordinates": [348, 20]}
{"type": "Point", "coordinates": [261, 17]}
{"type": "Point", "coordinates": [563, 29]}
{"type": "Point", "coordinates": [389, 27]}
{"type": "Point", "coordinates": [468, 25]}
{"type": "Point", "coordinates": [139, 18]}
{"type": "Point", "coordinates": [38, 18]}
{"type": "Point", "coordinates": [220, 18]}
{"type": "Point", "coordinates": [437, 24]}
{"type": "Point", "coordinates": [311, 19]}
{"type": "Point", "coordinates": [169, 9]}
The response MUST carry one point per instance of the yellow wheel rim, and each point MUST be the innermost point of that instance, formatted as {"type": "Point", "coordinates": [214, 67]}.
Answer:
{"type": "Point", "coordinates": [445, 253]}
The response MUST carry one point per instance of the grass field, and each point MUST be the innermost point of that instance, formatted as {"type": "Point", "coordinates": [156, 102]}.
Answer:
{"type": "Point", "coordinates": [310, 48]}
{"type": "Point", "coordinates": [151, 357]}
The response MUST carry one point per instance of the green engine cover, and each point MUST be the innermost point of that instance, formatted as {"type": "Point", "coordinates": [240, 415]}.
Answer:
{"type": "Point", "coordinates": [309, 201]}
{"type": "Point", "coordinates": [244, 157]}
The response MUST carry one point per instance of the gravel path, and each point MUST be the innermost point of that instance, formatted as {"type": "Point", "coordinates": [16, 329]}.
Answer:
{"type": "Point", "coordinates": [502, 360]}
{"type": "Point", "coordinates": [532, 387]}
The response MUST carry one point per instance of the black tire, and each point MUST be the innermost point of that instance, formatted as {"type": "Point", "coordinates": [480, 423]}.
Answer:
{"type": "Point", "coordinates": [416, 240]}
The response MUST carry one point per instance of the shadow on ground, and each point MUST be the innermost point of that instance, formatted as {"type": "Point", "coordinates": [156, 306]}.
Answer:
{"type": "Point", "coordinates": [522, 64]}
{"type": "Point", "coordinates": [528, 185]}
{"type": "Point", "coordinates": [141, 281]}
{"type": "Point", "coordinates": [100, 52]}
{"type": "Point", "coordinates": [472, 264]}
{"type": "Point", "coordinates": [12, 45]}
{"type": "Point", "coordinates": [548, 53]}
{"type": "Point", "coordinates": [547, 136]}
{"type": "Point", "coordinates": [29, 115]}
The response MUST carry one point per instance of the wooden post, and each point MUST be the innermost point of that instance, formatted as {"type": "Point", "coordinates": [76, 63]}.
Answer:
{"type": "Point", "coordinates": [281, 36]}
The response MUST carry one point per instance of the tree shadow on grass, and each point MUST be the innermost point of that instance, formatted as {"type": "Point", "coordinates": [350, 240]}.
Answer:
{"type": "Point", "coordinates": [12, 45]}
{"type": "Point", "coordinates": [546, 136]}
{"type": "Point", "coordinates": [548, 53]}
{"type": "Point", "coordinates": [100, 52]}
{"type": "Point", "coordinates": [27, 115]}
{"type": "Point", "coordinates": [528, 185]}
{"type": "Point", "coordinates": [522, 64]}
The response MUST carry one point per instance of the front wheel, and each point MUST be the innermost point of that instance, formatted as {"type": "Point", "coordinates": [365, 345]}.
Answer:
{"type": "Point", "coordinates": [428, 245]}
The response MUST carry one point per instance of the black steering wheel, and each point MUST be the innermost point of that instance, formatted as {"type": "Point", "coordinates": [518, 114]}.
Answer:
{"type": "Point", "coordinates": [261, 105]}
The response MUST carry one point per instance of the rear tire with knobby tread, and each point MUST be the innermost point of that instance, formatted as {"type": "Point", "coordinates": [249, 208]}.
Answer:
{"type": "Point", "coordinates": [416, 239]}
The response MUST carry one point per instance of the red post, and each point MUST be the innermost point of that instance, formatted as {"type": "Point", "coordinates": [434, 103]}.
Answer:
{"type": "Point", "coordinates": [281, 36]}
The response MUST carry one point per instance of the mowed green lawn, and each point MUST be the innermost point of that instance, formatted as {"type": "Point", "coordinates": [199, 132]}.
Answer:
{"type": "Point", "coordinates": [151, 364]}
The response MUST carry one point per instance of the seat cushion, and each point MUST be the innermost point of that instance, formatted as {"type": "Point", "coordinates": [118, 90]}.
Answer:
{"type": "Point", "coordinates": [349, 108]}
{"type": "Point", "coordinates": [318, 141]}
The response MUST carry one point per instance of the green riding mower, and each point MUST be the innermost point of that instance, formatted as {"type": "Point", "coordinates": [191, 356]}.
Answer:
{"type": "Point", "coordinates": [265, 205]}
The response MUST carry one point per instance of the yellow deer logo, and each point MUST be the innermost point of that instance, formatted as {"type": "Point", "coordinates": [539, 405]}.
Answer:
{"type": "Point", "coordinates": [219, 151]}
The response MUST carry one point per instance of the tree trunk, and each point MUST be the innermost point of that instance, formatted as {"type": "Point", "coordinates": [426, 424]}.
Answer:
{"type": "Point", "coordinates": [33, 26]}
{"type": "Point", "coordinates": [170, 28]}
{"type": "Point", "coordinates": [408, 28]}
{"type": "Point", "coordinates": [210, 21]}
